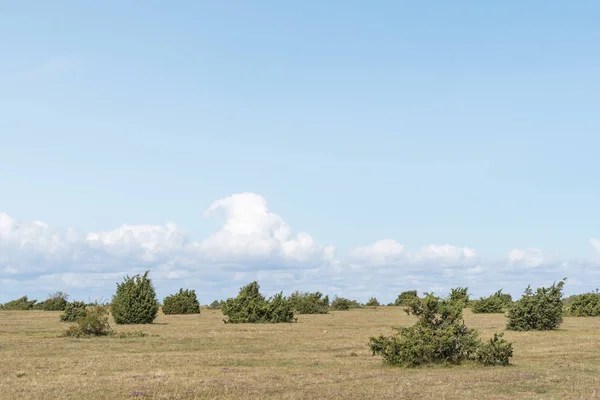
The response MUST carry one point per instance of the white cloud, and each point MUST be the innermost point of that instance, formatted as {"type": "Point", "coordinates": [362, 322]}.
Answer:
{"type": "Point", "coordinates": [253, 243]}
{"type": "Point", "coordinates": [596, 243]}
{"type": "Point", "coordinates": [529, 258]}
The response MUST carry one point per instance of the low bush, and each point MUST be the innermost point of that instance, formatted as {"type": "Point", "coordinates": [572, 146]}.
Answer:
{"type": "Point", "coordinates": [309, 303]}
{"type": "Point", "coordinates": [216, 305]}
{"type": "Point", "coordinates": [343, 304]}
{"type": "Point", "coordinates": [135, 301]}
{"type": "Point", "coordinates": [93, 323]}
{"type": "Point", "coordinates": [542, 310]}
{"type": "Point", "coordinates": [497, 303]}
{"type": "Point", "coordinates": [438, 337]}
{"type": "Point", "coordinates": [405, 298]}
{"type": "Point", "coordinates": [73, 311]}
{"type": "Point", "coordinates": [585, 305]}
{"type": "Point", "coordinates": [373, 302]}
{"type": "Point", "coordinates": [496, 351]}
{"type": "Point", "coordinates": [184, 302]}
{"type": "Point", "coordinates": [55, 302]}
{"type": "Point", "coordinates": [250, 306]}
{"type": "Point", "coordinates": [22, 303]}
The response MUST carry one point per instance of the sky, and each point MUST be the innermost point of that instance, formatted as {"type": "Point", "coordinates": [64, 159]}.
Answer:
{"type": "Point", "coordinates": [351, 147]}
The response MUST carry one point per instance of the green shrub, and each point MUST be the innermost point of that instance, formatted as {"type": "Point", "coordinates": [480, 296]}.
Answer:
{"type": "Point", "coordinates": [541, 310]}
{"type": "Point", "coordinates": [309, 303]}
{"type": "Point", "coordinates": [250, 306]}
{"type": "Point", "coordinates": [496, 303]}
{"type": "Point", "coordinates": [460, 296]}
{"type": "Point", "coordinates": [135, 301]}
{"type": "Point", "coordinates": [373, 302]}
{"type": "Point", "coordinates": [585, 305]}
{"type": "Point", "coordinates": [22, 303]}
{"type": "Point", "coordinates": [438, 337]}
{"type": "Point", "coordinates": [55, 302]}
{"type": "Point", "coordinates": [496, 351]}
{"type": "Point", "coordinates": [405, 298]}
{"type": "Point", "coordinates": [184, 302]}
{"type": "Point", "coordinates": [93, 323]}
{"type": "Point", "coordinates": [217, 304]}
{"type": "Point", "coordinates": [343, 304]}
{"type": "Point", "coordinates": [73, 311]}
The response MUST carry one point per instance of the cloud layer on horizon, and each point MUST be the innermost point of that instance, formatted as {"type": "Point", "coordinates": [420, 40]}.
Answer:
{"type": "Point", "coordinates": [256, 244]}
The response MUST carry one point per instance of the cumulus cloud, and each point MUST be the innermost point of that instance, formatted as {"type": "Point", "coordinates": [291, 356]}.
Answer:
{"type": "Point", "coordinates": [253, 243]}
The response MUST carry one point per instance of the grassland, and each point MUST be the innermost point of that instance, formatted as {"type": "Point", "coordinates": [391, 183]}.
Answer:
{"type": "Point", "coordinates": [319, 357]}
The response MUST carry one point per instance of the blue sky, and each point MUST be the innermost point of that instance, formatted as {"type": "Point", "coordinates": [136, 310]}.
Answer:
{"type": "Point", "coordinates": [395, 125]}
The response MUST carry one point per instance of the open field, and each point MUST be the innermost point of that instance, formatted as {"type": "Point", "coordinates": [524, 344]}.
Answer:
{"type": "Point", "coordinates": [320, 356]}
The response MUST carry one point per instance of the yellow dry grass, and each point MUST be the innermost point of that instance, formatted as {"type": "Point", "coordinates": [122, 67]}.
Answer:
{"type": "Point", "coordinates": [319, 357]}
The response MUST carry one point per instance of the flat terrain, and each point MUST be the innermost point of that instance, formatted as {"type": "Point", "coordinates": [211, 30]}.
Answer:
{"type": "Point", "coordinates": [319, 357]}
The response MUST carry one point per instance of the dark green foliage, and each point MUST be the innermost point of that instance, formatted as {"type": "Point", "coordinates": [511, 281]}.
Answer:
{"type": "Point", "coordinates": [73, 311]}
{"type": "Point", "coordinates": [373, 302]}
{"type": "Point", "coordinates": [55, 302]}
{"type": "Point", "coordinates": [343, 304]}
{"type": "Point", "coordinates": [405, 298]}
{"type": "Point", "coordinates": [22, 303]}
{"type": "Point", "coordinates": [496, 351]}
{"type": "Point", "coordinates": [135, 301]}
{"type": "Point", "coordinates": [497, 303]}
{"type": "Point", "coordinates": [250, 306]}
{"type": "Point", "coordinates": [309, 303]}
{"type": "Point", "coordinates": [217, 304]}
{"type": "Point", "coordinates": [460, 296]}
{"type": "Point", "coordinates": [438, 337]}
{"type": "Point", "coordinates": [184, 302]}
{"type": "Point", "coordinates": [94, 322]}
{"type": "Point", "coordinates": [585, 305]}
{"type": "Point", "coordinates": [542, 310]}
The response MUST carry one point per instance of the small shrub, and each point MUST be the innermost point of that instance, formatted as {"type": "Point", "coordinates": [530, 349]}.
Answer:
{"type": "Point", "coordinates": [184, 302]}
{"type": "Point", "coordinates": [73, 311]}
{"type": "Point", "coordinates": [22, 303]}
{"type": "Point", "coordinates": [541, 310]}
{"type": "Point", "coordinates": [496, 303]}
{"type": "Point", "coordinates": [216, 305]}
{"type": "Point", "coordinates": [93, 323]}
{"type": "Point", "coordinates": [55, 302]}
{"type": "Point", "coordinates": [585, 305]}
{"type": "Point", "coordinates": [460, 296]}
{"type": "Point", "coordinates": [343, 304]}
{"type": "Point", "coordinates": [309, 303]}
{"type": "Point", "coordinates": [135, 301]}
{"type": "Point", "coordinates": [373, 302]}
{"type": "Point", "coordinates": [127, 335]}
{"type": "Point", "coordinates": [496, 351]}
{"type": "Point", "coordinates": [250, 306]}
{"type": "Point", "coordinates": [405, 298]}
{"type": "Point", "coordinates": [438, 337]}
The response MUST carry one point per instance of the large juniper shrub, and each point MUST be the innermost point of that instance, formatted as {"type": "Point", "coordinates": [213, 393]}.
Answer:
{"type": "Point", "coordinates": [496, 303]}
{"type": "Point", "coordinates": [22, 303]}
{"type": "Point", "coordinates": [438, 337]}
{"type": "Point", "coordinates": [405, 298]}
{"type": "Point", "coordinates": [73, 311]}
{"type": "Point", "coordinates": [309, 303]}
{"type": "Point", "coordinates": [135, 301]}
{"type": "Point", "coordinates": [343, 304]}
{"type": "Point", "coordinates": [542, 310]}
{"type": "Point", "coordinates": [250, 306]}
{"type": "Point", "coordinates": [585, 305]}
{"type": "Point", "coordinates": [184, 302]}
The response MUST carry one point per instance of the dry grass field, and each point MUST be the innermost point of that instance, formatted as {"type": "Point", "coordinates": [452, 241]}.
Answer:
{"type": "Point", "coordinates": [319, 357]}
